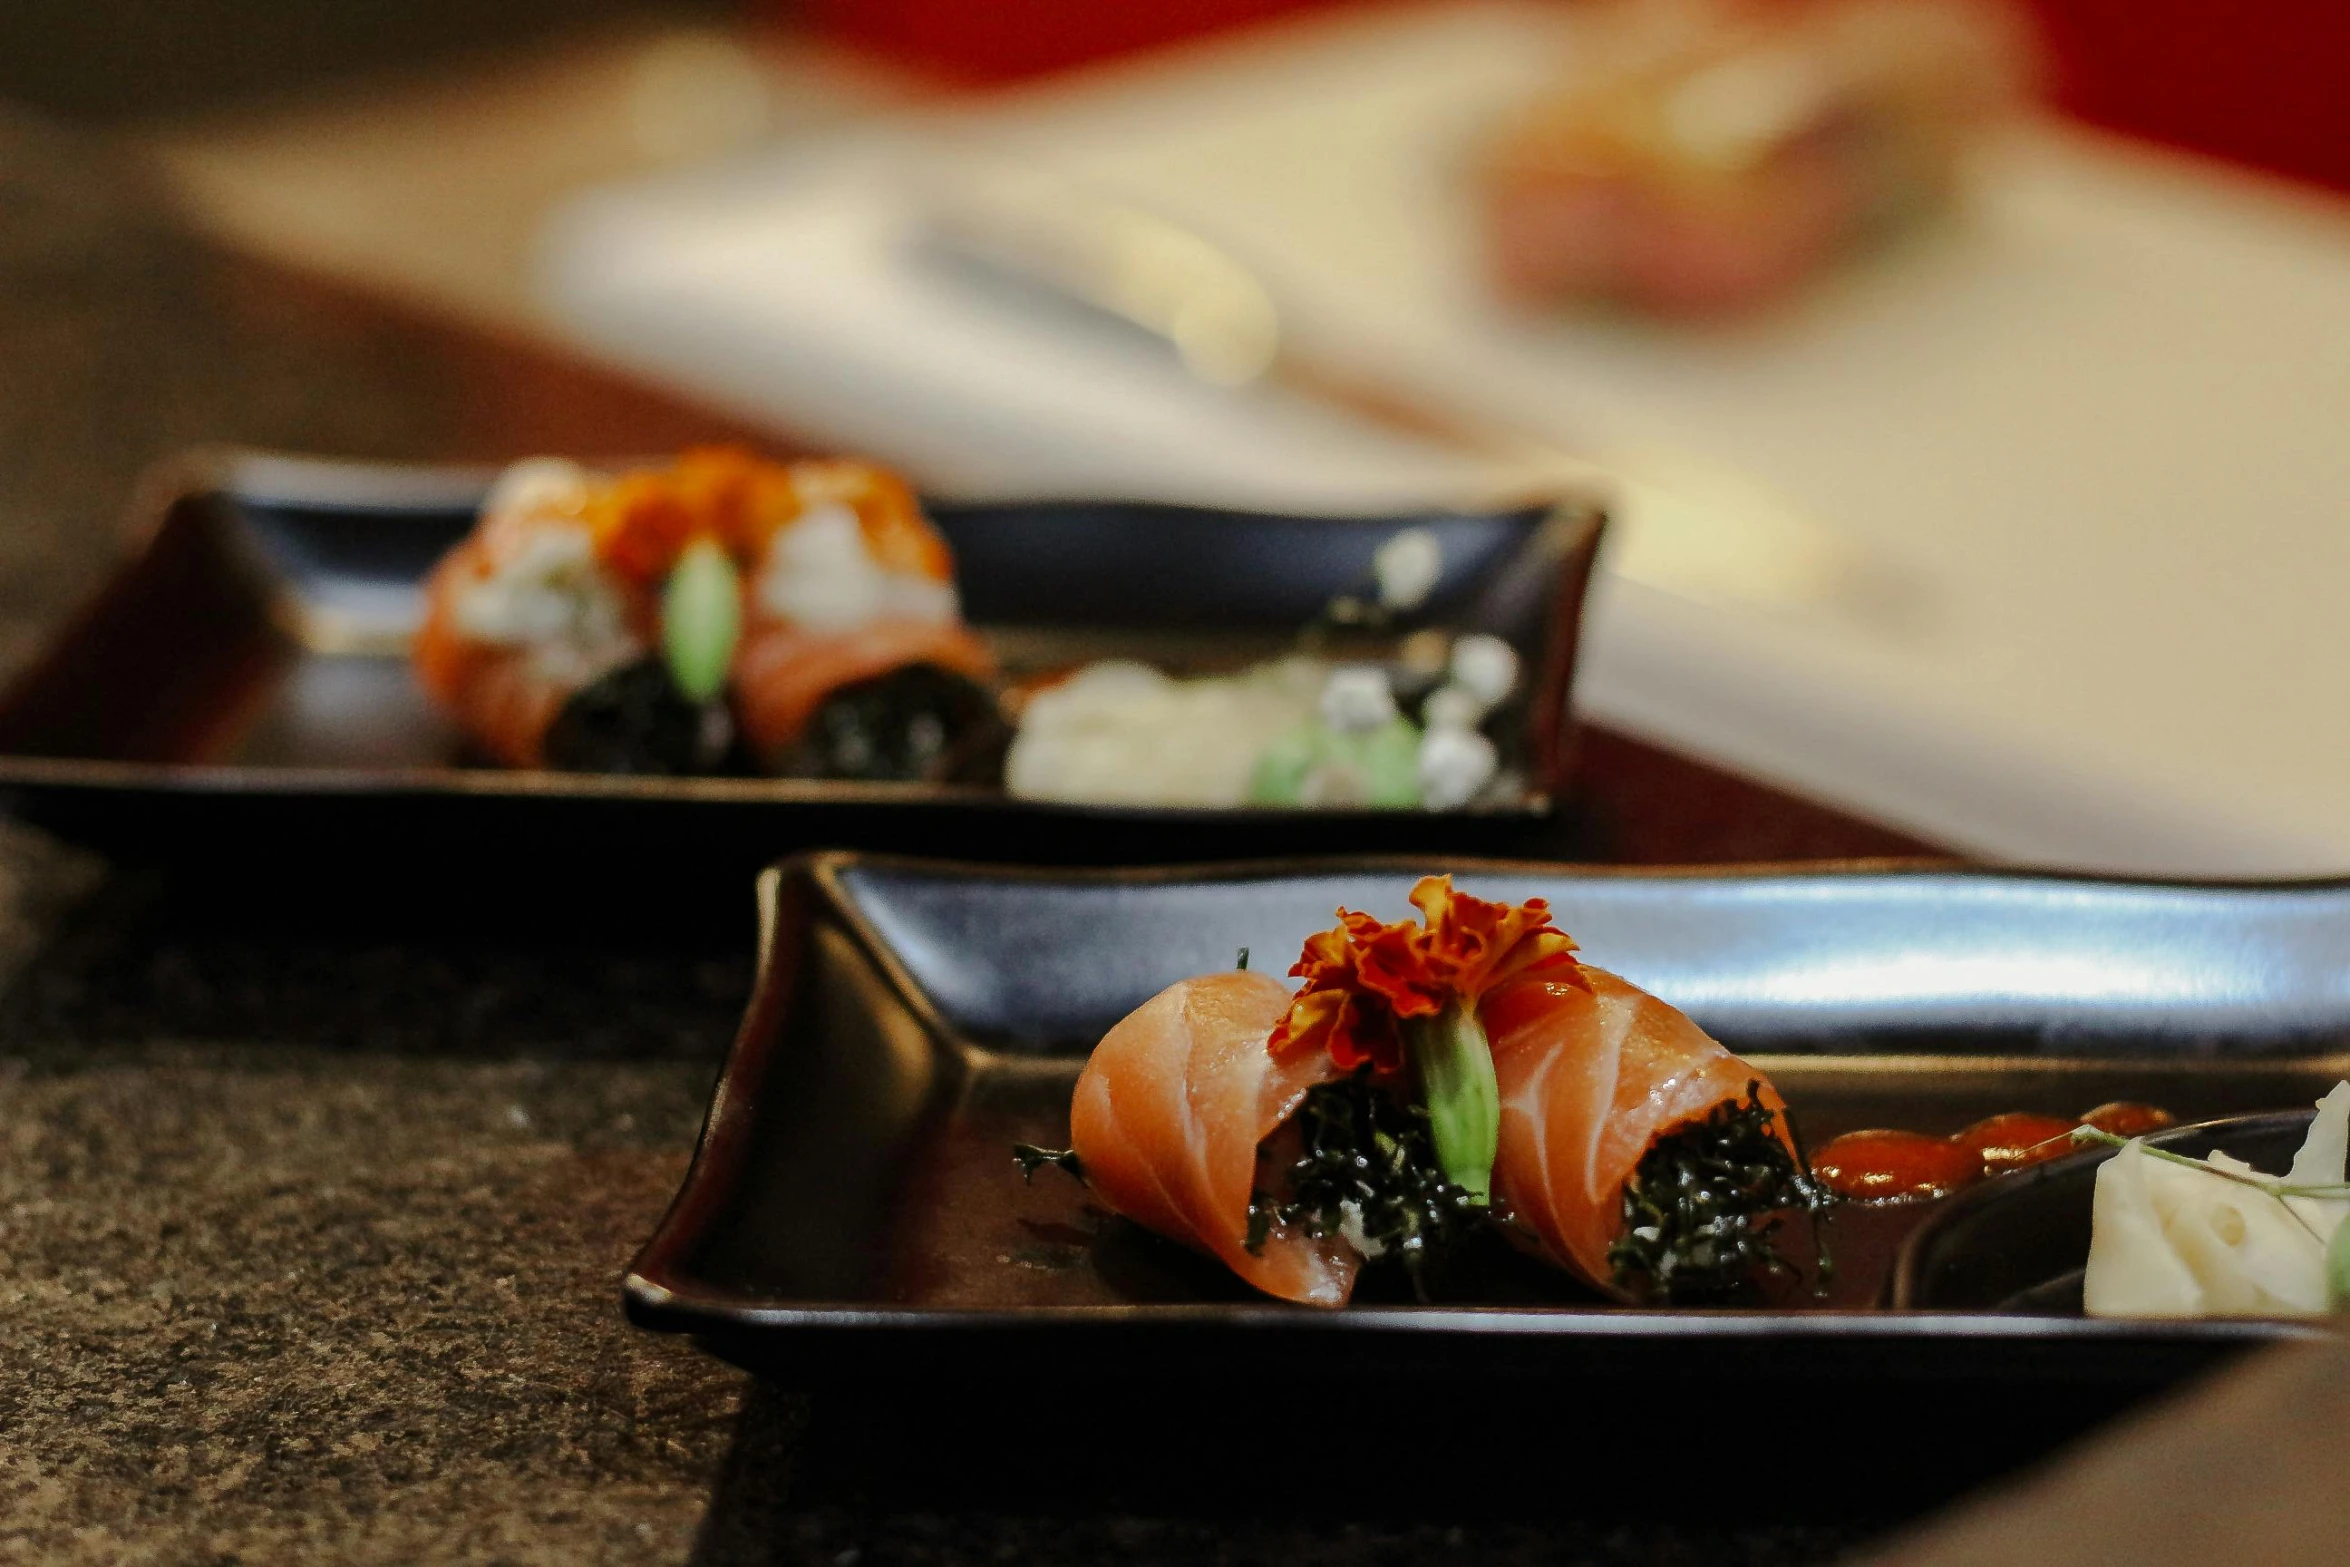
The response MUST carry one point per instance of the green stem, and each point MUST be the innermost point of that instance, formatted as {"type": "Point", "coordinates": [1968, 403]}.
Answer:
{"type": "Point", "coordinates": [2274, 1186]}
{"type": "Point", "coordinates": [1454, 1064]}
{"type": "Point", "coordinates": [701, 619]}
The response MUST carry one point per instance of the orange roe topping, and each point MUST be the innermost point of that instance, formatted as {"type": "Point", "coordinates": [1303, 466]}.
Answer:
{"type": "Point", "coordinates": [1363, 977]}
{"type": "Point", "coordinates": [644, 519]}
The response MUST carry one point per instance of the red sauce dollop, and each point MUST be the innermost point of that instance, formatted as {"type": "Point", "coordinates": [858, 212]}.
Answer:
{"type": "Point", "coordinates": [1881, 1166]}
{"type": "Point", "coordinates": [2125, 1119]}
{"type": "Point", "coordinates": [1876, 1165]}
{"type": "Point", "coordinates": [2018, 1138]}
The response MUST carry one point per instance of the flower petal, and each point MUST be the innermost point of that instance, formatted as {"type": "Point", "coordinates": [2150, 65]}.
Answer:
{"type": "Point", "coordinates": [1363, 977]}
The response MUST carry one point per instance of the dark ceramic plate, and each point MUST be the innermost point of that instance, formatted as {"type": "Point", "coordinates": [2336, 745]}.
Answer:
{"type": "Point", "coordinates": [853, 1212]}
{"type": "Point", "coordinates": [2019, 1244]}
{"type": "Point", "coordinates": [237, 690]}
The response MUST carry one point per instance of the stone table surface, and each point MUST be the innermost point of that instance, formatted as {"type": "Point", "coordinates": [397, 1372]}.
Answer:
{"type": "Point", "coordinates": [310, 1231]}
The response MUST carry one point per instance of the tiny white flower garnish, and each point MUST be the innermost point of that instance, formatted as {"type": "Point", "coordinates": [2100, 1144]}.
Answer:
{"type": "Point", "coordinates": [1357, 697]}
{"type": "Point", "coordinates": [1452, 707]}
{"type": "Point", "coordinates": [1486, 666]}
{"type": "Point", "coordinates": [1455, 767]}
{"type": "Point", "coordinates": [1407, 567]}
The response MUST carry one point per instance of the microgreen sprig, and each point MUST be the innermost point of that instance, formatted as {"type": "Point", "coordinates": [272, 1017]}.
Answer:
{"type": "Point", "coordinates": [2337, 1248]}
{"type": "Point", "coordinates": [2274, 1185]}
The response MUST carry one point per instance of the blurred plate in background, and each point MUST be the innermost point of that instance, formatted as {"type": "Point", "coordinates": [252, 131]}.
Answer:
{"type": "Point", "coordinates": [2094, 418]}
{"type": "Point", "coordinates": [238, 697]}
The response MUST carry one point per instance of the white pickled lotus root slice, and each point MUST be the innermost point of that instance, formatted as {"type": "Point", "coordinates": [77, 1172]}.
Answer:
{"type": "Point", "coordinates": [2172, 1240]}
{"type": "Point", "coordinates": [1123, 733]}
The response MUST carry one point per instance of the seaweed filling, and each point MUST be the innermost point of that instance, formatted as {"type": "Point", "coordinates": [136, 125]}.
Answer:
{"type": "Point", "coordinates": [919, 724]}
{"type": "Point", "coordinates": [633, 719]}
{"type": "Point", "coordinates": [1367, 1171]}
{"type": "Point", "coordinates": [1705, 1202]}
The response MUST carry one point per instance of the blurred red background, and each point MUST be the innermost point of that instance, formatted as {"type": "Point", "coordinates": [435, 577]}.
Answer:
{"type": "Point", "coordinates": [2261, 82]}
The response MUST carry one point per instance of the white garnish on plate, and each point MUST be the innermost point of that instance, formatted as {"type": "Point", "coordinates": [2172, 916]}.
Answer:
{"type": "Point", "coordinates": [1407, 567]}
{"type": "Point", "coordinates": [2177, 1237]}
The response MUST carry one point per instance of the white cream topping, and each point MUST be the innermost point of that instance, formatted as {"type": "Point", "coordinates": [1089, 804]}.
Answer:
{"type": "Point", "coordinates": [545, 590]}
{"type": "Point", "coordinates": [538, 486]}
{"type": "Point", "coordinates": [820, 574]}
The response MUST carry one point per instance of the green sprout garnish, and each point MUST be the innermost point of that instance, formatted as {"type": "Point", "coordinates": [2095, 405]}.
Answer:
{"type": "Point", "coordinates": [1453, 1062]}
{"type": "Point", "coordinates": [701, 619]}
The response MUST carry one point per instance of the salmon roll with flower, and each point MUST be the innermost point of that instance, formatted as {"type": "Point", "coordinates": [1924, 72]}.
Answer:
{"type": "Point", "coordinates": [1431, 1078]}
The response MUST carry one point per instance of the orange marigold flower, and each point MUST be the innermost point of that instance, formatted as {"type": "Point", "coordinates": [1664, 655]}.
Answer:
{"type": "Point", "coordinates": [1363, 977]}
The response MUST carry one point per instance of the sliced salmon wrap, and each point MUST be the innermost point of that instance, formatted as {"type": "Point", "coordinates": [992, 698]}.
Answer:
{"type": "Point", "coordinates": [1300, 1137]}
{"type": "Point", "coordinates": [1596, 1077]}
{"type": "Point", "coordinates": [1170, 1116]}
{"type": "Point", "coordinates": [526, 612]}
{"type": "Point", "coordinates": [856, 585]}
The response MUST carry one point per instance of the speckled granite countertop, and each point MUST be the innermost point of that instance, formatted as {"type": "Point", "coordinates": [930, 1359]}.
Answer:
{"type": "Point", "coordinates": [310, 1235]}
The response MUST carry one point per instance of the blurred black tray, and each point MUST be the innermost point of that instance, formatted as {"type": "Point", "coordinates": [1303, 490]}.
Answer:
{"type": "Point", "coordinates": [235, 697]}
{"type": "Point", "coordinates": [853, 1216]}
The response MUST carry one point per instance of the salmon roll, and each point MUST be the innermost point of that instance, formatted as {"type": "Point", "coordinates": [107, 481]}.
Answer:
{"type": "Point", "coordinates": [721, 613]}
{"type": "Point", "coordinates": [525, 613]}
{"type": "Point", "coordinates": [1171, 1121]}
{"type": "Point", "coordinates": [1430, 1078]}
{"type": "Point", "coordinates": [1635, 1151]}
{"type": "Point", "coordinates": [851, 612]}
{"type": "Point", "coordinates": [1301, 1137]}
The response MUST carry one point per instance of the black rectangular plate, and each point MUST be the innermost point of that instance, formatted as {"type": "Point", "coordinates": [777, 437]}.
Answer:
{"type": "Point", "coordinates": [230, 698]}
{"type": "Point", "coordinates": [853, 1213]}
